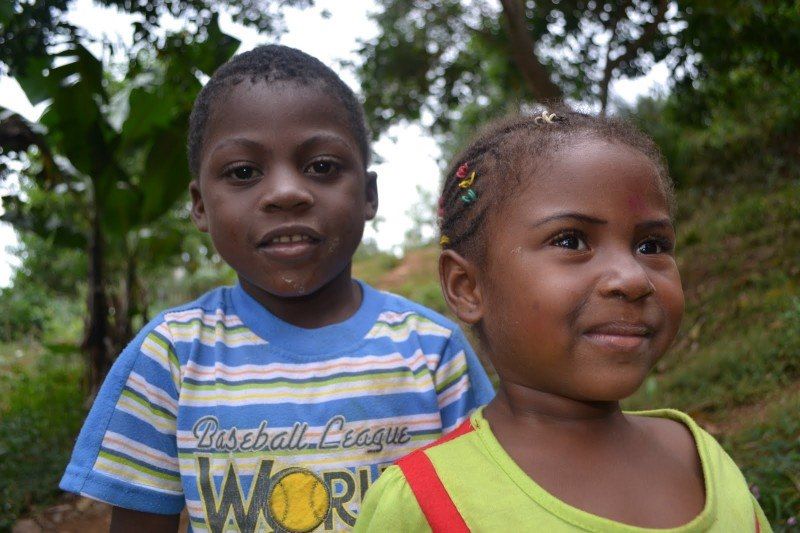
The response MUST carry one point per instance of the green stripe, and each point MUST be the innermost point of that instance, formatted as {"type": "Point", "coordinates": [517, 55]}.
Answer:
{"type": "Point", "coordinates": [211, 329]}
{"type": "Point", "coordinates": [156, 410]}
{"type": "Point", "coordinates": [167, 347]}
{"type": "Point", "coordinates": [399, 325]}
{"type": "Point", "coordinates": [451, 379]}
{"type": "Point", "coordinates": [305, 385]}
{"type": "Point", "coordinates": [136, 466]}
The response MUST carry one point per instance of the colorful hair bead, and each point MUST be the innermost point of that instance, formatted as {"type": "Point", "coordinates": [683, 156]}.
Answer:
{"type": "Point", "coordinates": [461, 173]}
{"type": "Point", "coordinates": [444, 240]}
{"type": "Point", "coordinates": [469, 197]}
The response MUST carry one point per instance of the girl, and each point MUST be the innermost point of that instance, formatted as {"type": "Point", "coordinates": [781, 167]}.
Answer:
{"type": "Point", "coordinates": [559, 249]}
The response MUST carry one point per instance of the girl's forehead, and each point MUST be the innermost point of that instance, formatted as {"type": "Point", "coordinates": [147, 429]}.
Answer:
{"type": "Point", "coordinates": [594, 173]}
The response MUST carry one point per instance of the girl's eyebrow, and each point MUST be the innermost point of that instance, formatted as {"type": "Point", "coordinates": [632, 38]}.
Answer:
{"type": "Point", "coordinates": [570, 215]}
{"type": "Point", "coordinates": [663, 223]}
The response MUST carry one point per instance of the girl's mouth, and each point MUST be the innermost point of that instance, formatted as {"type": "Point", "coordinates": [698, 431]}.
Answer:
{"type": "Point", "coordinates": [619, 336]}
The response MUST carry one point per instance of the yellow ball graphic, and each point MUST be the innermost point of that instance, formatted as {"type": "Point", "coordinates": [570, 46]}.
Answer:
{"type": "Point", "coordinates": [298, 500]}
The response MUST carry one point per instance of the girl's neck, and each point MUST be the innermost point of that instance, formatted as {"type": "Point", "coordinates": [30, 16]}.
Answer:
{"type": "Point", "coordinates": [524, 406]}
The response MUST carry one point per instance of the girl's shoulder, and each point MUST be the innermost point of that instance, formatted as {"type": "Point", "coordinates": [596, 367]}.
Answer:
{"type": "Point", "coordinates": [676, 432]}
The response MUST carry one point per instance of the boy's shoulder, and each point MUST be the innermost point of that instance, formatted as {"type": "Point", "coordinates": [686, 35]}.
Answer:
{"type": "Point", "coordinates": [213, 306]}
{"type": "Point", "coordinates": [394, 303]}
{"type": "Point", "coordinates": [398, 310]}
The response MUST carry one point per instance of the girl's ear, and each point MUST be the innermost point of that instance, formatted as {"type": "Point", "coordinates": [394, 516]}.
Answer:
{"type": "Point", "coordinates": [198, 208]}
{"type": "Point", "coordinates": [460, 286]}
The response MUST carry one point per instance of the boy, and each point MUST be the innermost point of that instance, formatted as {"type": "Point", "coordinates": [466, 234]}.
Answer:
{"type": "Point", "coordinates": [274, 404]}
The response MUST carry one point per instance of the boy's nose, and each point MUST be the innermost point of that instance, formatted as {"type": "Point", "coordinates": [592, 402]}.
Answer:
{"type": "Point", "coordinates": [286, 189]}
{"type": "Point", "coordinates": [625, 277]}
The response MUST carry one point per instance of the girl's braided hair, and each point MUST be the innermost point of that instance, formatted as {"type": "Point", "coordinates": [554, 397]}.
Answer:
{"type": "Point", "coordinates": [508, 150]}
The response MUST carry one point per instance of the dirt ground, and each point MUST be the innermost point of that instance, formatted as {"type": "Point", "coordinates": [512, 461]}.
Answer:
{"type": "Point", "coordinates": [74, 514]}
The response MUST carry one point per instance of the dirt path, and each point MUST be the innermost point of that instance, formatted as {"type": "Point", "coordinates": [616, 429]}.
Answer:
{"type": "Point", "coordinates": [72, 515]}
{"type": "Point", "coordinates": [75, 514]}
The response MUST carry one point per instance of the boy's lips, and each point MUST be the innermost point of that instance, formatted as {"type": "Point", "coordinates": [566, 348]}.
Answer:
{"type": "Point", "coordinates": [619, 336]}
{"type": "Point", "coordinates": [289, 242]}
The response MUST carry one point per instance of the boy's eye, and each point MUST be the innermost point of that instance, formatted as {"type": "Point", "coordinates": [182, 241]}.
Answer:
{"type": "Point", "coordinates": [322, 168]}
{"type": "Point", "coordinates": [654, 246]}
{"type": "Point", "coordinates": [570, 240]}
{"type": "Point", "coordinates": [242, 173]}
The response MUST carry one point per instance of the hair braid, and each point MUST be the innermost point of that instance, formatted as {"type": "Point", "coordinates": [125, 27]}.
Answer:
{"type": "Point", "coordinates": [496, 155]}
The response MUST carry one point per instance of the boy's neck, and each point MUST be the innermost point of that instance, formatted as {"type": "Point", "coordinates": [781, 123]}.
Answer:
{"type": "Point", "coordinates": [334, 302]}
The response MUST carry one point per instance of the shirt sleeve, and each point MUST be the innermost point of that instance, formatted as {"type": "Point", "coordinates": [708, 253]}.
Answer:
{"type": "Point", "coordinates": [126, 453]}
{"type": "Point", "coordinates": [461, 382]}
{"type": "Point", "coordinates": [390, 505]}
{"type": "Point", "coordinates": [761, 518]}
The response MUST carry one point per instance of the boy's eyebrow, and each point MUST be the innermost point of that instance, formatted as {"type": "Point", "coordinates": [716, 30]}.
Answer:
{"type": "Point", "coordinates": [575, 216]}
{"type": "Point", "coordinates": [324, 137]}
{"type": "Point", "coordinates": [240, 141]}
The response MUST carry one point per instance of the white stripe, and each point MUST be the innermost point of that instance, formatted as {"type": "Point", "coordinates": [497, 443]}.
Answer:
{"type": "Point", "coordinates": [301, 371]}
{"type": "Point", "coordinates": [141, 452]}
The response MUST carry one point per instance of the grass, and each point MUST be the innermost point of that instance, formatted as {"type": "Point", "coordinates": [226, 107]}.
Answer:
{"type": "Point", "coordinates": [41, 412]}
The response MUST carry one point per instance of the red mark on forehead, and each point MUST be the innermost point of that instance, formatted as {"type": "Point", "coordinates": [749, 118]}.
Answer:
{"type": "Point", "coordinates": [636, 203]}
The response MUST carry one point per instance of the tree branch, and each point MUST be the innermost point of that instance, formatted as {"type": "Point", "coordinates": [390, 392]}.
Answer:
{"type": "Point", "coordinates": [649, 32]}
{"type": "Point", "coordinates": [536, 75]}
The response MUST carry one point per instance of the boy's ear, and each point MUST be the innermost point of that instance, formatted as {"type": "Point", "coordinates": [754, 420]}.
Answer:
{"type": "Point", "coordinates": [198, 208]}
{"type": "Point", "coordinates": [462, 292]}
{"type": "Point", "coordinates": [372, 195]}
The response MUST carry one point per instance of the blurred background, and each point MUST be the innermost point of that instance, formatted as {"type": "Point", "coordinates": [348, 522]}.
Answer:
{"type": "Point", "coordinates": [95, 237]}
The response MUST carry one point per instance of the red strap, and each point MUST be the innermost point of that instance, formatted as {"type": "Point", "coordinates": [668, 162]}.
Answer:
{"type": "Point", "coordinates": [432, 497]}
{"type": "Point", "coordinates": [758, 526]}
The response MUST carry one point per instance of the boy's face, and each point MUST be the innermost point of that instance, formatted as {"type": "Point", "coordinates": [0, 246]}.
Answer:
{"type": "Point", "coordinates": [581, 293]}
{"type": "Point", "coordinates": [283, 189]}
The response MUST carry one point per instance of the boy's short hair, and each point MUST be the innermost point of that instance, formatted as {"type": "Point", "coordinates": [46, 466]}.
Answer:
{"type": "Point", "coordinates": [273, 63]}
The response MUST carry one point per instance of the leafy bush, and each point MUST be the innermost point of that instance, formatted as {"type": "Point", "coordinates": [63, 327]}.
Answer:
{"type": "Point", "coordinates": [40, 414]}
{"type": "Point", "coordinates": [23, 313]}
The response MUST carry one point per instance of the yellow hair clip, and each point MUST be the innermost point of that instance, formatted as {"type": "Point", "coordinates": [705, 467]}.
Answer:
{"type": "Point", "coordinates": [444, 240]}
{"type": "Point", "coordinates": [467, 183]}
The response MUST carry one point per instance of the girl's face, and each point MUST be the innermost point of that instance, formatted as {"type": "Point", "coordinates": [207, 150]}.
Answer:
{"type": "Point", "coordinates": [580, 293]}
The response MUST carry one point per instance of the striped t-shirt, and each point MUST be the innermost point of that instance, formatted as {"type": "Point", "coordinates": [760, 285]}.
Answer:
{"type": "Point", "coordinates": [257, 425]}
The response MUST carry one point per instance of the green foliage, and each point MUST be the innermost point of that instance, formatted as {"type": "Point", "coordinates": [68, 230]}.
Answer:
{"type": "Point", "coordinates": [23, 313]}
{"type": "Point", "coordinates": [452, 64]}
{"type": "Point", "coordinates": [35, 438]}
{"type": "Point", "coordinates": [768, 452]}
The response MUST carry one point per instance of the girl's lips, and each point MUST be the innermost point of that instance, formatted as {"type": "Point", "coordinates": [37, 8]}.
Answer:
{"type": "Point", "coordinates": [620, 336]}
{"type": "Point", "coordinates": [617, 342]}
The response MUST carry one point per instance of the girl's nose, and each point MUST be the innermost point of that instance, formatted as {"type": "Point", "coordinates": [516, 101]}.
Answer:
{"type": "Point", "coordinates": [626, 278]}
{"type": "Point", "coordinates": [286, 190]}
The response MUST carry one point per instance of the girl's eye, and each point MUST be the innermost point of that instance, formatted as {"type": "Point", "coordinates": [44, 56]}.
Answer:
{"type": "Point", "coordinates": [571, 240]}
{"type": "Point", "coordinates": [242, 173]}
{"type": "Point", "coordinates": [654, 246]}
{"type": "Point", "coordinates": [322, 168]}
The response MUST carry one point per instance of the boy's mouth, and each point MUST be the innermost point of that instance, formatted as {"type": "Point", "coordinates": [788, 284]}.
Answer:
{"type": "Point", "coordinates": [283, 239]}
{"type": "Point", "coordinates": [289, 242]}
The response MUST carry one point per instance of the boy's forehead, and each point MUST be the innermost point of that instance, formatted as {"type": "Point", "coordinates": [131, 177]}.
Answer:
{"type": "Point", "coordinates": [262, 107]}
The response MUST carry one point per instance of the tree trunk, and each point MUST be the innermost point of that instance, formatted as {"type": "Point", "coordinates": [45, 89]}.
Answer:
{"type": "Point", "coordinates": [536, 75]}
{"type": "Point", "coordinates": [95, 344]}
